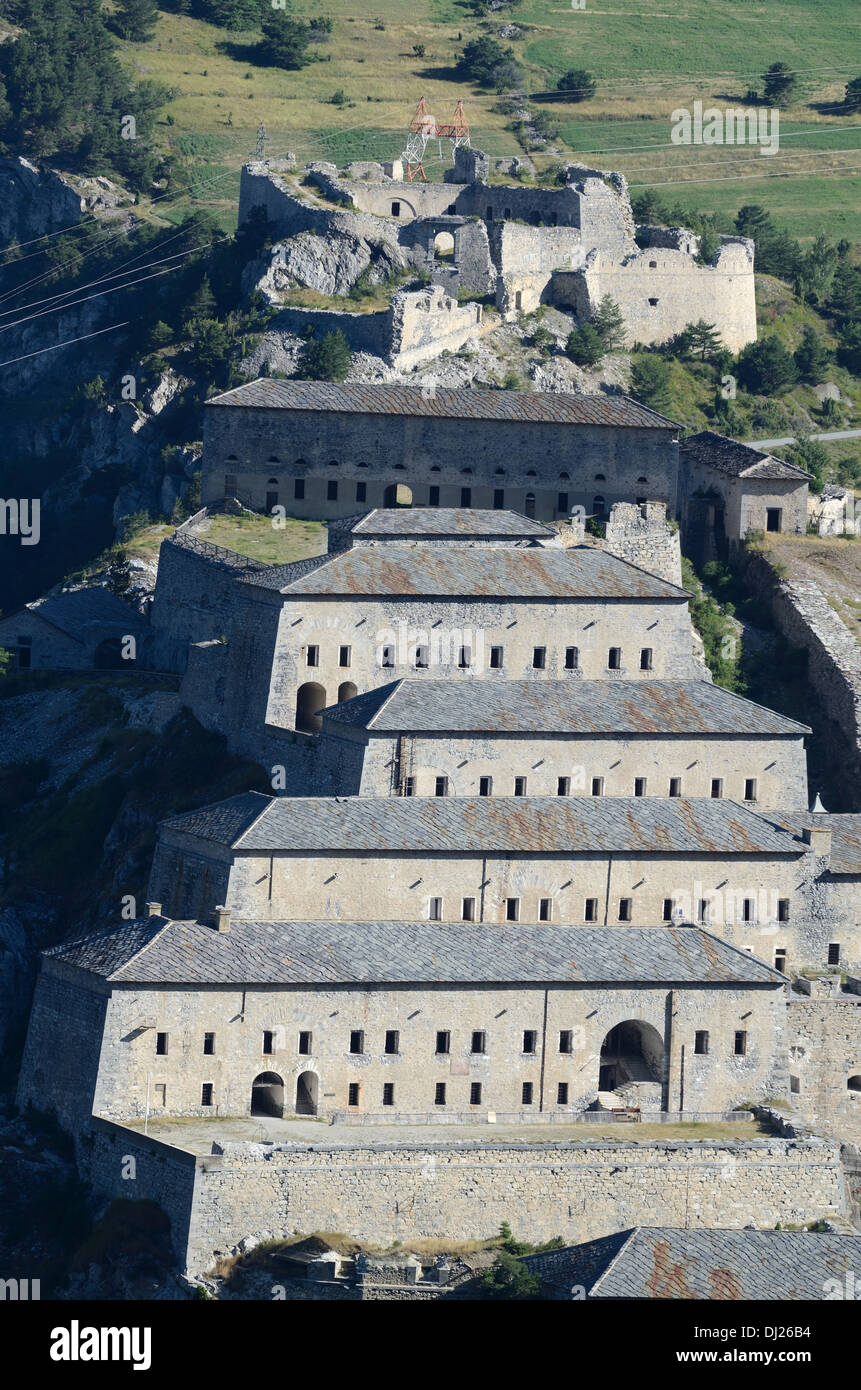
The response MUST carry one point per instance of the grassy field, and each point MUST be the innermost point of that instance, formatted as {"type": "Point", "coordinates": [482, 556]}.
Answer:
{"type": "Point", "coordinates": [649, 57]}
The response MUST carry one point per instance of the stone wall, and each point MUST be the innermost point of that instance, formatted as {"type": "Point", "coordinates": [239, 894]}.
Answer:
{"type": "Point", "coordinates": [806, 619]}
{"type": "Point", "coordinates": [380, 1193]}
{"type": "Point", "coordinates": [824, 1041]}
{"type": "Point", "coordinates": [60, 1065]}
{"type": "Point", "coordinates": [639, 533]}
{"type": "Point", "coordinates": [193, 596]}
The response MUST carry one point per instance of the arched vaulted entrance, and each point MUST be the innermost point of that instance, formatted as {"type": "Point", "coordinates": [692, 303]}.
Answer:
{"type": "Point", "coordinates": [267, 1095]}
{"type": "Point", "coordinates": [631, 1051]}
{"type": "Point", "coordinates": [310, 699]}
{"type": "Point", "coordinates": [306, 1093]}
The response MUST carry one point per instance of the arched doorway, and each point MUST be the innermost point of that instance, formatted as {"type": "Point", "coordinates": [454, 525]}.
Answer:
{"type": "Point", "coordinates": [306, 1093]}
{"type": "Point", "coordinates": [310, 699]}
{"type": "Point", "coordinates": [346, 691]}
{"type": "Point", "coordinates": [443, 246]}
{"type": "Point", "coordinates": [631, 1051]}
{"type": "Point", "coordinates": [398, 495]}
{"type": "Point", "coordinates": [267, 1095]}
{"type": "Point", "coordinates": [529, 506]}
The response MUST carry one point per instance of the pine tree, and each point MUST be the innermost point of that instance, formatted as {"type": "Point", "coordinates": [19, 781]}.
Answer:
{"type": "Point", "coordinates": [135, 20]}
{"type": "Point", "coordinates": [584, 346]}
{"type": "Point", "coordinates": [610, 325]}
{"type": "Point", "coordinates": [650, 382]}
{"type": "Point", "coordinates": [285, 40]}
{"type": "Point", "coordinates": [703, 338]}
{"type": "Point", "coordinates": [779, 84]}
{"type": "Point", "coordinates": [327, 358]}
{"type": "Point", "coordinates": [811, 356]}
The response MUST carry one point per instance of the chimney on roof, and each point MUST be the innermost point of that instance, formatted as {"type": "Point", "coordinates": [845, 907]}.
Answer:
{"type": "Point", "coordinates": [818, 837]}
{"type": "Point", "coordinates": [153, 909]}
{"type": "Point", "coordinates": [222, 919]}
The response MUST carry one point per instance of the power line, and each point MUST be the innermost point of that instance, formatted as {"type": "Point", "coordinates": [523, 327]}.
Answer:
{"type": "Point", "coordinates": [10, 362]}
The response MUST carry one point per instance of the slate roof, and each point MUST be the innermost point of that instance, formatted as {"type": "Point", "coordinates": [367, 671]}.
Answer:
{"type": "Point", "coordinates": [526, 407]}
{"type": "Point", "coordinates": [668, 1262]}
{"type": "Point", "coordinates": [493, 572]}
{"type": "Point", "coordinates": [738, 460]}
{"type": "Point", "coordinates": [845, 841]}
{"type": "Point", "coordinates": [159, 951]}
{"type": "Point", "coordinates": [552, 707]}
{"type": "Point", "coordinates": [82, 613]}
{"type": "Point", "coordinates": [448, 521]}
{"type": "Point", "coordinates": [495, 824]}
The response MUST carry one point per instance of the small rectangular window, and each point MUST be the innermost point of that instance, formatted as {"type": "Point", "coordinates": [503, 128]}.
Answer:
{"type": "Point", "coordinates": [433, 496]}
{"type": "Point", "coordinates": [230, 484]}
{"type": "Point", "coordinates": [639, 786]}
{"type": "Point", "coordinates": [512, 909]}
{"type": "Point", "coordinates": [389, 1093]}
{"type": "Point", "coordinates": [468, 910]}
{"type": "Point", "coordinates": [740, 1044]}
{"type": "Point", "coordinates": [539, 658]}
{"type": "Point", "coordinates": [345, 656]}
{"type": "Point", "coordinates": [562, 1093]}
{"type": "Point", "coordinates": [475, 1093]}
{"type": "Point", "coordinates": [646, 659]}
{"type": "Point", "coordinates": [668, 910]}
{"type": "Point", "coordinates": [396, 209]}
{"type": "Point", "coordinates": [590, 912]}
{"type": "Point", "coordinates": [393, 1041]}
{"type": "Point", "coordinates": [653, 303]}
{"type": "Point", "coordinates": [614, 659]}
{"type": "Point", "coordinates": [206, 1093]}
{"type": "Point", "coordinates": [675, 786]}
{"type": "Point", "coordinates": [701, 1043]}
{"type": "Point", "coordinates": [562, 503]}
{"type": "Point", "coordinates": [439, 1093]}
{"type": "Point", "coordinates": [160, 1094]}
{"type": "Point", "coordinates": [780, 959]}
{"type": "Point", "coordinates": [520, 786]}
{"type": "Point", "coordinates": [783, 909]}
{"type": "Point", "coordinates": [208, 1044]}
{"type": "Point", "coordinates": [299, 489]}
{"type": "Point", "coordinates": [353, 1093]}
{"type": "Point", "coordinates": [332, 490]}
{"type": "Point", "coordinates": [572, 658]}
{"type": "Point", "coordinates": [485, 786]}
{"type": "Point", "coordinates": [466, 497]}
{"type": "Point", "coordinates": [161, 1044]}
{"type": "Point", "coordinates": [441, 786]}
{"type": "Point", "coordinates": [717, 788]}
{"type": "Point", "coordinates": [443, 1044]}
{"type": "Point", "coordinates": [563, 786]}
{"type": "Point", "coordinates": [498, 499]}
{"type": "Point", "coordinates": [387, 657]}
{"type": "Point", "coordinates": [464, 659]}
{"type": "Point", "coordinates": [435, 910]}
{"type": "Point", "coordinates": [747, 910]}
{"type": "Point", "coordinates": [704, 909]}
{"type": "Point", "coordinates": [312, 656]}
{"type": "Point", "coordinates": [597, 786]}
{"type": "Point", "coordinates": [526, 1093]}
{"type": "Point", "coordinates": [496, 654]}
{"type": "Point", "coordinates": [304, 1044]}
{"type": "Point", "coordinates": [750, 789]}
{"type": "Point", "coordinates": [566, 1041]}
{"type": "Point", "coordinates": [834, 953]}
{"type": "Point", "coordinates": [625, 909]}
{"type": "Point", "coordinates": [268, 1043]}
{"type": "Point", "coordinates": [408, 786]}
{"type": "Point", "coordinates": [361, 492]}
{"type": "Point", "coordinates": [545, 909]}
{"type": "Point", "coordinates": [422, 658]}
{"type": "Point", "coordinates": [529, 1038]}
{"type": "Point", "coordinates": [357, 1041]}
{"type": "Point", "coordinates": [478, 1043]}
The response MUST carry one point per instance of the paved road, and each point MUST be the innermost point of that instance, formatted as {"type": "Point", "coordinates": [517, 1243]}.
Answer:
{"type": "Point", "coordinates": [790, 439]}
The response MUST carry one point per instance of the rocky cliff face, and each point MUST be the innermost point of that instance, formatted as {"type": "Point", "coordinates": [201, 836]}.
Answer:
{"type": "Point", "coordinates": [38, 202]}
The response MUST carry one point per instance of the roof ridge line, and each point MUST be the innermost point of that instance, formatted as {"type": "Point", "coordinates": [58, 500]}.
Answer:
{"type": "Point", "coordinates": [632, 1234]}
{"type": "Point", "coordinates": [166, 922]}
